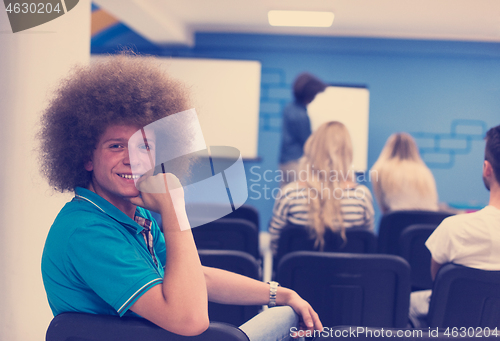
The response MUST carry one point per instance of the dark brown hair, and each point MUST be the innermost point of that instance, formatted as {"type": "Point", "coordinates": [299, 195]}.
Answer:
{"type": "Point", "coordinates": [306, 87]}
{"type": "Point", "coordinates": [492, 150]}
{"type": "Point", "coordinates": [122, 89]}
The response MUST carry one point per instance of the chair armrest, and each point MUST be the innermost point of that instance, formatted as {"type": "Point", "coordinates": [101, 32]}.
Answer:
{"type": "Point", "coordinates": [91, 327]}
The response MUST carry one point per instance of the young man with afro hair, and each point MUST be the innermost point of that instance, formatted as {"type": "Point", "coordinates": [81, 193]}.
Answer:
{"type": "Point", "coordinates": [104, 253]}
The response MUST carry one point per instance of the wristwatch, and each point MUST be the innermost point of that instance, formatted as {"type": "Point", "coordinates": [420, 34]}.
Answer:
{"type": "Point", "coordinates": [273, 289]}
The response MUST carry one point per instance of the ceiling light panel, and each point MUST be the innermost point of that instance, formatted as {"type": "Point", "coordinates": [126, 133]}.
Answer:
{"type": "Point", "coordinates": [300, 18]}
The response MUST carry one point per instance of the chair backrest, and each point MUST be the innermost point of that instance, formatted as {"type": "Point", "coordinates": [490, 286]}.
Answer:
{"type": "Point", "coordinates": [393, 223]}
{"type": "Point", "coordinates": [238, 262]}
{"type": "Point", "coordinates": [413, 249]}
{"type": "Point", "coordinates": [350, 289]}
{"type": "Point", "coordinates": [205, 211]}
{"type": "Point", "coordinates": [228, 234]}
{"type": "Point", "coordinates": [246, 212]}
{"type": "Point", "coordinates": [296, 238]}
{"type": "Point", "coordinates": [91, 327]}
{"type": "Point", "coordinates": [465, 297]}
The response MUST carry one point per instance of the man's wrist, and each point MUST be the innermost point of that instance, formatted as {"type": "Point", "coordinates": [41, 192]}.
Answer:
{"type": "Point", "coordinates": [284, 296]}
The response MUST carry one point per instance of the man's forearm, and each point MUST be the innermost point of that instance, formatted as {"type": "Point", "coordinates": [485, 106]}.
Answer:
{"type": "Point", "coordinates": [183, 283]}
{"type": "Point", "coordinates": [230, 288]}
{"type": "Point", "coordinates": [179, 304]}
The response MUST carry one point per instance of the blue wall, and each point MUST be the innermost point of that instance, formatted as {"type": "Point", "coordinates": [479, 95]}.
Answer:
{"type": "Point", "coordinates": [446, 94]}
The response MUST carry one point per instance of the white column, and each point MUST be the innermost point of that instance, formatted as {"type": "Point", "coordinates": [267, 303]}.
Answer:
{"type": "Point", "coordinates": [31, 64]}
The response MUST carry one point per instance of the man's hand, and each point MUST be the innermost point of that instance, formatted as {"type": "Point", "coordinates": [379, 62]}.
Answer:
{"type": "Point", "coordinates": [163, 193]}
{"type": "Point", "coordinates": [309, 319]}
{"type": "Point", "coordinates": [155, 195]}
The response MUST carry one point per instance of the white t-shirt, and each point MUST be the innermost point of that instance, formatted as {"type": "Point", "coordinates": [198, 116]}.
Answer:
{"type": "Point", "coordinates": [472, 240]}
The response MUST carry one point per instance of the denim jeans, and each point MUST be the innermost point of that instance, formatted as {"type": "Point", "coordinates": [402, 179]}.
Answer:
{"type": "Point", "coordinates": [419, 308]}
{"type": "Point", "coordinates": [271, 325]}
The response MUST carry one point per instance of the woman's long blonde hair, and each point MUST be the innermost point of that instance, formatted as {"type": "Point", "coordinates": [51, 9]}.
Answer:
{"type": "Point", "coordinates": [400, 161]}
{"type": "Point", "coordinates": [400, 147]}
{"type": "Point", "coordinates": [327, 162]}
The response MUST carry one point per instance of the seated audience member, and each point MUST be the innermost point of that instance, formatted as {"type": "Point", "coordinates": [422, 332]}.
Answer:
{"type": "Point", "coordinates": [402, 180]}
{"type": "Point", "coordinates": [326, 195]}
{"type": "Point", "coordinates": [473, 239]}
{"type": "Point", "coordinates": [104, 253]}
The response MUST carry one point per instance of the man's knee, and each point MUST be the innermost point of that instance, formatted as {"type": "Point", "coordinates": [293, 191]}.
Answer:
{"type": "Point", "coordinates": [286, 314]}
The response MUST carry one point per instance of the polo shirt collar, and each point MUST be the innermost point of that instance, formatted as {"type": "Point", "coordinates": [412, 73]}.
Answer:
{"type": "Point", "coordinates": [106, 207]}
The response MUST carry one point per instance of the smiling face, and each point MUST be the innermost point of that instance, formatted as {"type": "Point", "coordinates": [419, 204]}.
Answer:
{"type": "Point", "coordinates": [111, 168]}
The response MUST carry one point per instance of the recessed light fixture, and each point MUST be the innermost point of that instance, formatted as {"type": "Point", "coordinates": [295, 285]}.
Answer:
{"type": "Point", "coordinates": [300, 18]}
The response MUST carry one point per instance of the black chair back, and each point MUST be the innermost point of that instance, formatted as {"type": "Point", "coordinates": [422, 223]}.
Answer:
{"type": "Point", "coordinates": [91, 327]}
{"type": "Point", "coordinates": [413, 249]}
{"type": "Point", "coordinates": [350, 289]}
{"type": "Point", "coordinates": [465, 297]}
{"type": "Point", "coordinates": [228, 234]}
{"type": "Point", "coordinates": [393, 223]}
{"type": "Point", "coordinates": [296, 238]}
{"type": "Point", "coordinates": [246, 212]}
{"type": "Point", "coordinates": [203, 211]}
{"type": "Point", "coordinates": [238, 262]}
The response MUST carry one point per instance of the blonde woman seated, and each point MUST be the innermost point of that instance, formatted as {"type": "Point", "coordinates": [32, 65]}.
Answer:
{"type": "Point", "coordinates": [326, 195]}
{"type": "Point", "coordinates": [401, 180]}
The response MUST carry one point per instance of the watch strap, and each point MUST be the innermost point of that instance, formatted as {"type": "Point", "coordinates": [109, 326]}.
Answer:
{"type": "Point", "coordinates": [273, 290]}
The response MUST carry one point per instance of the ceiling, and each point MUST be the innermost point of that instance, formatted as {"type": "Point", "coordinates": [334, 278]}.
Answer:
{"type": "Point", "coordinates": [176, 21]}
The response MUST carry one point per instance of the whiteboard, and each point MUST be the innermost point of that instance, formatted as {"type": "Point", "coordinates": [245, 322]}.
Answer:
{"type": "Point", "coordinates": [349, 105]}
{"type": "Point", "coordinates": [226, 96]}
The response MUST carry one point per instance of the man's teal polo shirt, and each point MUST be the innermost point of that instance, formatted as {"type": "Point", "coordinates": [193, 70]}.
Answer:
{"type": "Point", "coordinates": [95, 258]}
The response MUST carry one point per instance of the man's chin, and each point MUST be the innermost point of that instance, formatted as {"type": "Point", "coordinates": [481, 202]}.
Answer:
{"type": "Point", "coordinates": [132, 194]}
{"type": "Point", "coordinates": [135, 195]}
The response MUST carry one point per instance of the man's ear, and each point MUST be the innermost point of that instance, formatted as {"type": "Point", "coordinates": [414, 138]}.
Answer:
{"type": "Point", "coordinates": [89, 166]}
{"type": "Point", "coordinates": [487, 169]}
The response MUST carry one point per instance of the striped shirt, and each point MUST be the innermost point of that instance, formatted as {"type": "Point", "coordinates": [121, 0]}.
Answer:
{"type": "Point", "coordinates": [292, 206]}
